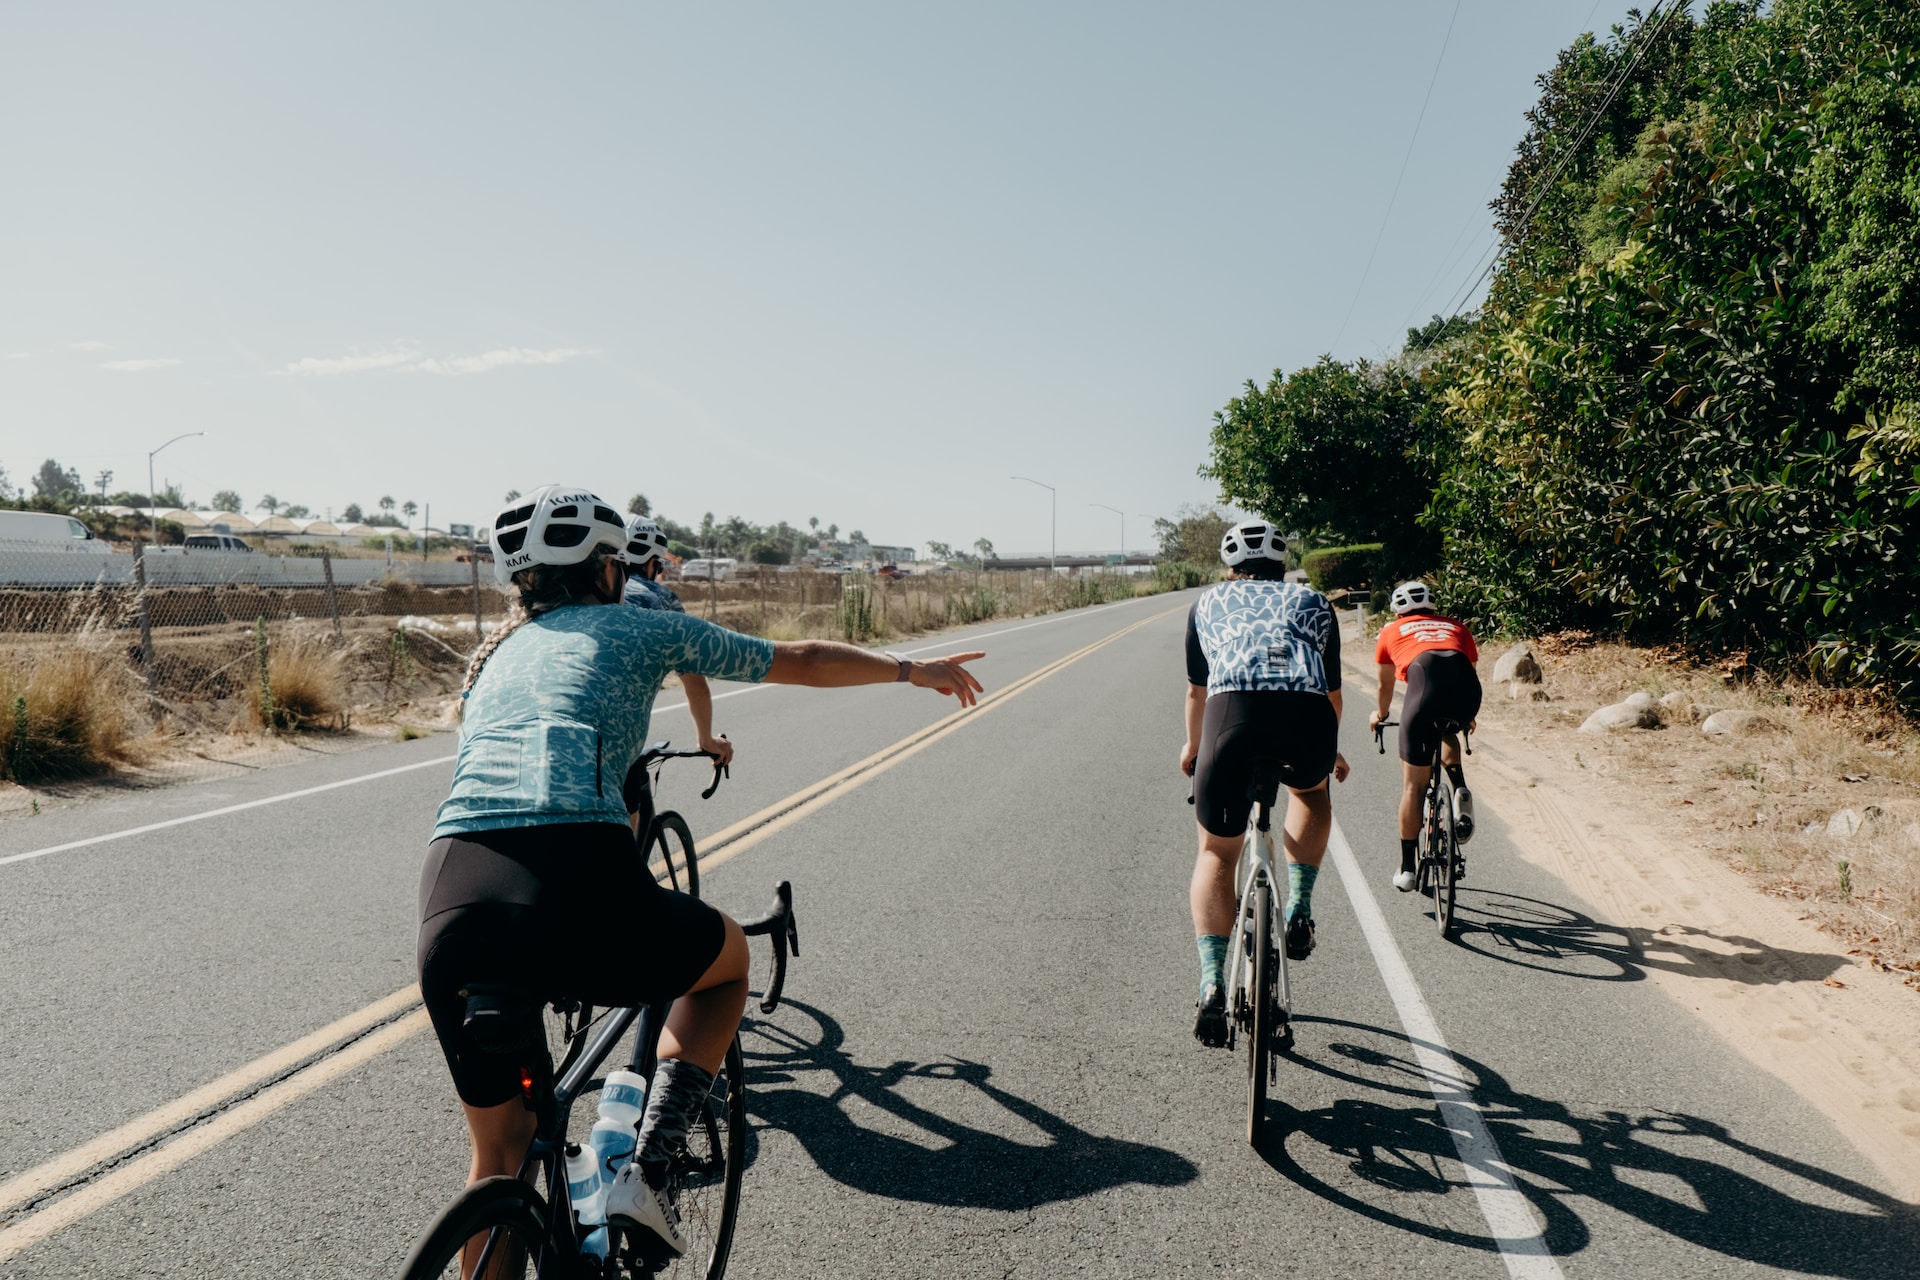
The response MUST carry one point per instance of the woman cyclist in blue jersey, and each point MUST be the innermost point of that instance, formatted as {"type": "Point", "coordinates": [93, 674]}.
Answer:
{"type": "Point", "coordinates": [1263, 681]}
{"type": "Point", "coordinates": [532, 861]}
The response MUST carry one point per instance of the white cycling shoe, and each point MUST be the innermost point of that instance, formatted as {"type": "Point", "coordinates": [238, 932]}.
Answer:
{"type": "Point", "coordinates": [1462, 815]}
{"type": "Point", "coordinates": [1403, 881]}
{"type": "Point", "coordinates": [634, 1204]}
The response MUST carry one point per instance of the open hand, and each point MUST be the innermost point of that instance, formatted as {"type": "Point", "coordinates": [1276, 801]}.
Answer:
{"type": "Point", "coordinates": [949, 676]}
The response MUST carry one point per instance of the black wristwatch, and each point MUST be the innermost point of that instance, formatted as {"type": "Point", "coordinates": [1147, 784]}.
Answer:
{"type": "Point", "coordinates": [906, 667]}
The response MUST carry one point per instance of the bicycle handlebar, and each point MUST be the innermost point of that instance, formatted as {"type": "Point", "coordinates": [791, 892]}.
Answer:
{"type": "Point", "coordinates": [654, 756]}
{"type": "Point", "coordinates": [778, 923]}
{"type": "Point", "coordinates": [1380, 733]}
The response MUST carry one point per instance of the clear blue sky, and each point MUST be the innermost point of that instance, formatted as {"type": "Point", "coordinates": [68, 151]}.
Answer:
{"type": "Point", "coordinates": [859, 261]}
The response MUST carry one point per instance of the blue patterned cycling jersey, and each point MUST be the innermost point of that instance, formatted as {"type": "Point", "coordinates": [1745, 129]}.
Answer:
{"type": "Point", "coordinates": [1252, 634]}
{"type": "Point", "coordinates": [561, 710]}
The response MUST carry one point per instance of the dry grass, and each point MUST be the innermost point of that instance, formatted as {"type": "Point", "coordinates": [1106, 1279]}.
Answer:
{"type": "Point", "coordinates": [1763, 802]}
{"type": "Point", "coordinates": [307, 678]}
{"type": "Point", "coordinates": [77, 706]}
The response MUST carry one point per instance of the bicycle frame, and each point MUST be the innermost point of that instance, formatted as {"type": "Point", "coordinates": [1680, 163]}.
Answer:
{"type": "Point", "coordinates": [1256, 859]}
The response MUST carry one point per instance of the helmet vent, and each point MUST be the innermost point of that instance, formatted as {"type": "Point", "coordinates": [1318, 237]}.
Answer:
{"type": "Point", "coordinates": [608, 516]}
{"type": "Point", "coordinates": [568, 512]}
{"type": "Point", "coordinates": [511, 540]}
{"type": "Point", "coordinates": [519, 515]}
{"type": "Point", "coordinates": [565, 535]}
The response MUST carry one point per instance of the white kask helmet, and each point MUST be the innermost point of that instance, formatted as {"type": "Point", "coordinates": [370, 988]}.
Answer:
{"type": "Point", "coordinates": [644, 541]}
{"type": "Point", "coordinates": [1252, 540]}
{"type": "Point", "coordinates": [1409, 596]}
{"type": "Point", "coordinates": [556, 524]}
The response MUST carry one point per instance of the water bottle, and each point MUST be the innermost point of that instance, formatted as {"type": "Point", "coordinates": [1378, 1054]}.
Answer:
{"type": "Point", "coordinates": [588, 1192]}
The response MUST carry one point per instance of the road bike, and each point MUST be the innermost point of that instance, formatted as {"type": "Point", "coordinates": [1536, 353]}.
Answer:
{"type": "Point", "coordinates": [1438, 867]}
{"type": "Point", "coordinates": [509, 1228]}
{"type": "Point", "coordinates": [1259, 992]}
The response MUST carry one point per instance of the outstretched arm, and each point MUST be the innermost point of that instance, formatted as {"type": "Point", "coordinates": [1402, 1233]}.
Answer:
{"type": "Point", "coordinates": [700, 707]}
{"type": "Point", "coordinates": [828, 664]}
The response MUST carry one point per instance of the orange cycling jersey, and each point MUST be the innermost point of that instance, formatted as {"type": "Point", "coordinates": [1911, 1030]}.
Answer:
{"type": "Point", "coordinates": [1410, 635]}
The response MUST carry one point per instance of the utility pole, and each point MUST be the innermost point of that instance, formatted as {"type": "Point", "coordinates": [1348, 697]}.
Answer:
{"type": "Point", "coordinates": [1053, 521]}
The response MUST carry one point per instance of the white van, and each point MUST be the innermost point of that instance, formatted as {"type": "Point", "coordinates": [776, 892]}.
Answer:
{"type": "Point", "coordinates": [49, 532]}
{"type": "Point", "coordinates": [720, 570]}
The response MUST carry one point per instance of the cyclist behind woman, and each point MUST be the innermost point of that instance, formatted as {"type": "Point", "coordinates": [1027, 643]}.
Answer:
{"type": "Point", "coordinates": [1263, 682]}
{"type": "Point", "coordinates": [644, 556]}
{"type": "Point", "coordinates": [1434, 654]}
{"type": "Point", "coordinates": [533, 880]}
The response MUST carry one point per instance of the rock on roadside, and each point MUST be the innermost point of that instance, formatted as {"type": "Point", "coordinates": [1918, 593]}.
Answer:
{"type": "Point", "coordinates": [1727, 723]}
{"type": "Point", "coordinates": [1517, 665]}
{"type": "Point", "coordinates": [1623, 715]}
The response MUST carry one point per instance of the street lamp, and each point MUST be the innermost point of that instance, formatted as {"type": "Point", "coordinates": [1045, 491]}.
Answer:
{"type": "Point", "coordinates": [153, 506]}
{"type": "Point", "coordinates": [1053, 513]}
{"type": "Point", "coordinates": [1123, 526]}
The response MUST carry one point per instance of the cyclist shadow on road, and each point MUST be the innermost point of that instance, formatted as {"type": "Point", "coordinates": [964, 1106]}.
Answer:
{"type": "Point", "coordinates": [1536, 934]}
{"type": "Point", "coordinates": [800, 1079]}
{"type": "Point", "coordinates": [1689, 1177]}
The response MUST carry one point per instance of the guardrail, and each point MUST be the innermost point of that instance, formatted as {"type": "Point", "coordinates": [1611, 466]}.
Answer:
{"type": "Point", "coordinates": [25, 564]}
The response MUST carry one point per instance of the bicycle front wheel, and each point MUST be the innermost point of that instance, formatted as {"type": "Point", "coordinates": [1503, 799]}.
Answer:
{"type": "Point", "coordinates": [1445, 853]}
{"type": "Point", "coordinates": [670, 854]}
{"type": "Point", "coordinates": [704, 1180]}
{"type": "Point", "coordinates": [1260, 992]}
{"type": "Point", "coordinates": [495, 1230]}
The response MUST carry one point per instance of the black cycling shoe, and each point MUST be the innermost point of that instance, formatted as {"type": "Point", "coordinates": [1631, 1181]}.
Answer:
{"type": "Point", "coordinates": [1299, 938]}
{"type": "Point", "coordinates": [1210, 1023]}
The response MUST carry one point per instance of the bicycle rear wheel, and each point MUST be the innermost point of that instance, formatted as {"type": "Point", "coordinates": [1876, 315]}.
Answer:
{"type": "Point", "coordinates": [1445, 855]}
{"type": "Point", "coordinates": [1260, 993]}
{"type": "Point", "coordinates": [670, 854]}
{"type": "Point", "coordinates": [704, 1180]}
{"type": "Point", "coordinates": [502, 1218]}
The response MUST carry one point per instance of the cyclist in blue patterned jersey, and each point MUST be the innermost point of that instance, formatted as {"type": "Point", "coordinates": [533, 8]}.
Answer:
{"type": "Point", "coordinates": [533, 876]}
{"type": "Point", "coordinates": [1263, 681]}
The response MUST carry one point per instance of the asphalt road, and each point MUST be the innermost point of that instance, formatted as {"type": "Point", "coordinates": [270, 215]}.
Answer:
{"type": "Point", "coordinates": [985, 1066]}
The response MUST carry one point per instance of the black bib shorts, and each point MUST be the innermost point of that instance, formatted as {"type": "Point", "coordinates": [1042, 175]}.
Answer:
{"type": "Point", "coordinates": [1442, 688]}
{"type": "Point", "coordinates": [1296, 728]}
{"type": "Point", "coordinates": [567, 911]}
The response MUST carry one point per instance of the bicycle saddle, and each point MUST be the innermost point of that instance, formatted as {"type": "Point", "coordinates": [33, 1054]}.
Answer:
{"type": "Point", "coordinates": [1265, 786]}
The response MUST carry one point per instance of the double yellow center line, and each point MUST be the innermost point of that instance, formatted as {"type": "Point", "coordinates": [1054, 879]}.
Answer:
{"type": "Point", "coordinates": [67, 1188]}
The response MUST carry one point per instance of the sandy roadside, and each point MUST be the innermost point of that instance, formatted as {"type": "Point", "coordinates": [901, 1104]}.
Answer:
{"type": "Point", "coordinates": [1784, 994]}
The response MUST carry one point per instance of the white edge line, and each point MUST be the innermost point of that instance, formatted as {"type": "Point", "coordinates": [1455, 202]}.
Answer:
{"type": "Point", "coordinates": [1516, 1232]}
{"type": "Point", "coordinates": [215, 813]}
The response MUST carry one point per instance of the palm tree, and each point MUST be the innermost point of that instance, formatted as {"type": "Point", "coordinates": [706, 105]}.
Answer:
{"type": "Point", "coordinates": [386, 505]}
{"type": "Point", "coordinates": [511, 495]}
{"type": "Point", "coordinates": [407, 509]}
{"type": "Point", "coordinates": [269, 504]}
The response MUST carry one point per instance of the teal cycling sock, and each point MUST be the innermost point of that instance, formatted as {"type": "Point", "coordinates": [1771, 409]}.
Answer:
{"type": "Point", "coordinates": [1300, 890]}
{"type": "Point", "coordinates": [1213, 959]}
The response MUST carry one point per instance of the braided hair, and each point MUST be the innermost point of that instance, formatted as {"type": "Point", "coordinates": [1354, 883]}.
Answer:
{"type": "Point", "coordinates": [538, 589]}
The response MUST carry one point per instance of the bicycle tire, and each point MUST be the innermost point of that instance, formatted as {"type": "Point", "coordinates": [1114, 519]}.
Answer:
{"type": "Point", "coordinates": [704, 1180]}
{"type": "Point", "coordinates": [507, 1206]}
{"type": "Point", "coordinates": [670, 850]}
{"type": "Point", "coordinates": [1260, 1034]}
{"type": "Point", "coordinates": [1444, 857]}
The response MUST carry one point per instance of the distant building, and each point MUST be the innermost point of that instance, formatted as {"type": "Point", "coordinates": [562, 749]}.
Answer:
{"type": "Point", "coordinates": [890, 555]}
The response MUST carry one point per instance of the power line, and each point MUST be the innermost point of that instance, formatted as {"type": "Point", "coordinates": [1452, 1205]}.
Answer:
{"type": "Point", "coordinates": [1388, 215]}
{"type": "Point", "coordinates": [1645, 37]}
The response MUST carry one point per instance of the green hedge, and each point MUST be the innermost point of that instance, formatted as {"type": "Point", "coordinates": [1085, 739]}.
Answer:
{"type": "Point", "coordinates": [1342, 568]}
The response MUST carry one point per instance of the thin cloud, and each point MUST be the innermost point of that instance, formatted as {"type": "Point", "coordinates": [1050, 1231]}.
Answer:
{"type": "Point", "coordinates": [325, 366]}
{"type": "Point", "coordinates": [411, 361]}
{"type": "Point", "coordinates": [19, 355]}
{"type": "Point", "coordinates": [139, 366]}
{"type": "Point", "coordinates": [499, 359]}
{"type": "Point", "coordinates": [86, 346]}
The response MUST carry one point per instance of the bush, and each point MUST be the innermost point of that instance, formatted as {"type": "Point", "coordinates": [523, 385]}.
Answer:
{"type": "Point", "coordinates": [64, 714]}
{"type": "Point", "coordinates": [305, 686]}
{"type": "Point", "coordinates": [1342, 568]}
{"type": "Point", "coordinates": [1180, 575]}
